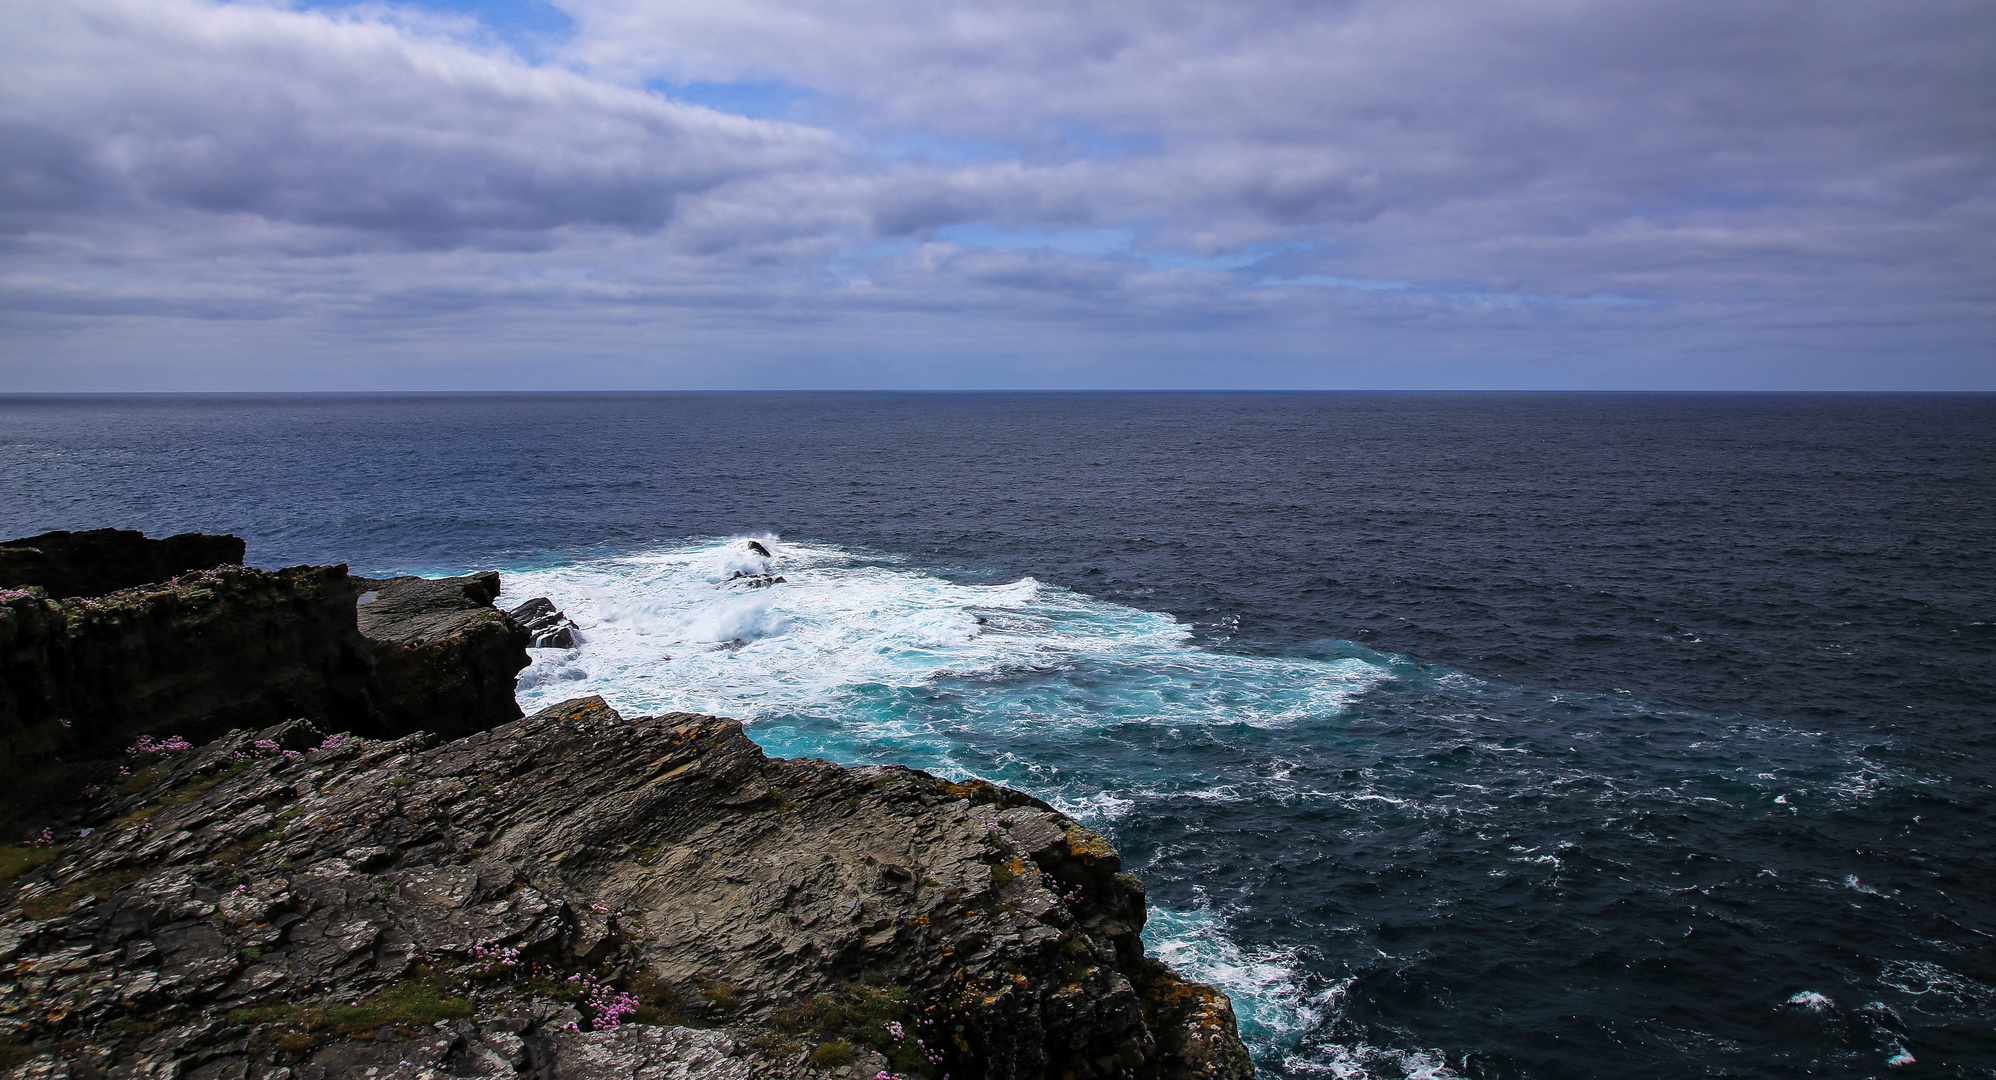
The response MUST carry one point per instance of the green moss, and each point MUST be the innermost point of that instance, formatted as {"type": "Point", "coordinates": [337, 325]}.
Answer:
{"type": "Point", "coordinates": [15, 861]}
{"type": "Point", "coordinates": [142, 779]}
{"type": "Point", "coordinates": [13, 1053]}
{"type": "Point", "coordinates": [194, 789]}
{"type": "Point", "coordinates": [249, 845]}
{"type": "Point", "coordinates": [657, 1002]}
{"type": "Point", "coordinates": [414, 1002]}
{"type": "Point", "coordinates": [831, 1055]}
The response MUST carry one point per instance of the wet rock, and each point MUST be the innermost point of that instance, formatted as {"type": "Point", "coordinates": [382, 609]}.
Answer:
{"type": "Point", "coordinates": [549, 628]}
{"type": "Point", "coordinates": [757, 548]}
{"type": "Point", "coordinates": [745, 580]}
{"type": "Point", "coordinates": [493, 904]}
{"type": "Point", "coordinates": [64, 564]}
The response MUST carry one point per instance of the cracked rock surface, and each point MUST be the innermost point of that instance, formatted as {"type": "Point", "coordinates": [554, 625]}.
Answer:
{"type": "Point", "coordinates": [576, 895]}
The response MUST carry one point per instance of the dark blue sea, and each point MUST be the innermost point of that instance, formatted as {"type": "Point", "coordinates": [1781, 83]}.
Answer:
{"type": "Point", "coordinates": [1456, 735]}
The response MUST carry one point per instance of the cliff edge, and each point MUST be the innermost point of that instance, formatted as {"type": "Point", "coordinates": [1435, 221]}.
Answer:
{"type": "Point", "coordinates": [573, 895]}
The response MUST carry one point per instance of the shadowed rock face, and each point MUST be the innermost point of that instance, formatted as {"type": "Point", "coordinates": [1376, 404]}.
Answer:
{"type": "Point", "coordinates": [241, 910]}
{"type": "Point", "coordinates": [194, 656]}
{"type": "Point", "coordinates": [234, 647]}
{"type": "Point", "coordinates": [105, 560]}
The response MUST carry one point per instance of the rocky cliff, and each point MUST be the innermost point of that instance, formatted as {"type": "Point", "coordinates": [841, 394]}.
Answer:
{"type": "Point", "coordinates": [195, 655]}
{"type": "Point", "coordinates": [105, 560]}
{"type": "Point", "coordinates": [569, 896]}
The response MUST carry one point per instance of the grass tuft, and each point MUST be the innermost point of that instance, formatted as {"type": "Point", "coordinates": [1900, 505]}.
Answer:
{"type": "Point", "coordinates": [422, 999]}
{"type": "Point", "coordinates": [15, 861]}
{"type": "Point", "coordinates": [831, 1055]}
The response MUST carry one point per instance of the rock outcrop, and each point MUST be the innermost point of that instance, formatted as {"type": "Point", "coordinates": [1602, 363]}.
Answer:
{"type": "Point", "coordinates": [549, 628]}
{"type": "Point", "coordinates": [579, 895]}
{"type": "Point", "coordinates": [227, 647]}
{"type": "Point", "coordinates": [444, 659]}
{"type": "Point", "coordinates": [105, 560]}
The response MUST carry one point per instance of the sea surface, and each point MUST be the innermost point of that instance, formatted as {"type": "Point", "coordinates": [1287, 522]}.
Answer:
{"type": "Point", "coordinates": [1456, 735]}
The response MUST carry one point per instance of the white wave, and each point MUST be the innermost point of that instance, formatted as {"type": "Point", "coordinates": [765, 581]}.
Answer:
{"type": "Point", "coordinates": [1283, 1010]}
{"type": "Point", "coordinates": [1270, 991]}
{"type": "Point", "coordinates": [675, 630]}
{"type": "Point", "coordinates": [1363, 1061]}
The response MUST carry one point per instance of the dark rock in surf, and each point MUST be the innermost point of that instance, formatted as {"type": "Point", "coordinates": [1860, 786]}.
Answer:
{"type": "Point", "coordinates": [759, 549]}
{"type": "Point", "coordinates": [549, 628]}
{"type": "Point", "coordinates": [100, 561]}
{"type": "Point", "coordinates": [746, 580]}
{"type": "Point", "coordinates": [414, 907]}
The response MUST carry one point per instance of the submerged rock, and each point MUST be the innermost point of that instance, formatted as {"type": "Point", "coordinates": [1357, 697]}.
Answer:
{"type": "Point", "coordinates": [545, 622]}
{"type": "Point", "coordinates": [580, 895]}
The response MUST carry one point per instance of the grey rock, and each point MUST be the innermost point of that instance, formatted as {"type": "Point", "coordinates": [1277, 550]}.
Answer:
{"type": "Point", "coordinates": [444, 658]}
{"type": "Point", "coordinates": [249, 912]}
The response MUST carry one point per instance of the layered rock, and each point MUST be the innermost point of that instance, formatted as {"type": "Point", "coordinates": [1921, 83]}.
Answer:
{"type": "Point", "coordinates": [205, 652]}
{"type": "Point", "coordinates": [578, 895]}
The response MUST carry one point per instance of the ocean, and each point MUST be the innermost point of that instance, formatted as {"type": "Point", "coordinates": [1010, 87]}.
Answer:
{"type": "Point", "coordinates": [1455, 735]}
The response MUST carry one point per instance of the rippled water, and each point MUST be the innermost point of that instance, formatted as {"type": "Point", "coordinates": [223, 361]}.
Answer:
{"type": "Point", "coordinates": [1456, 736]}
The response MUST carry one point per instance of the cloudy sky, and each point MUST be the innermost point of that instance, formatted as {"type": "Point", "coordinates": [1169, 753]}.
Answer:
{"type": "Point", "coordinates": [640, 194]}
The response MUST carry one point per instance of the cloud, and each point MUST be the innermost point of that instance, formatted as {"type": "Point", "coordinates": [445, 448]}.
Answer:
{"type": "Point", "coordinates": [133, 110]}
{"type": "Point", "coordinates": [1614, 193]}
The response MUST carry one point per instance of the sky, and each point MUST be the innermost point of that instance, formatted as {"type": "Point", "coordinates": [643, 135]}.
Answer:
{"type": "Point", "coordinates": [1047, 194]}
